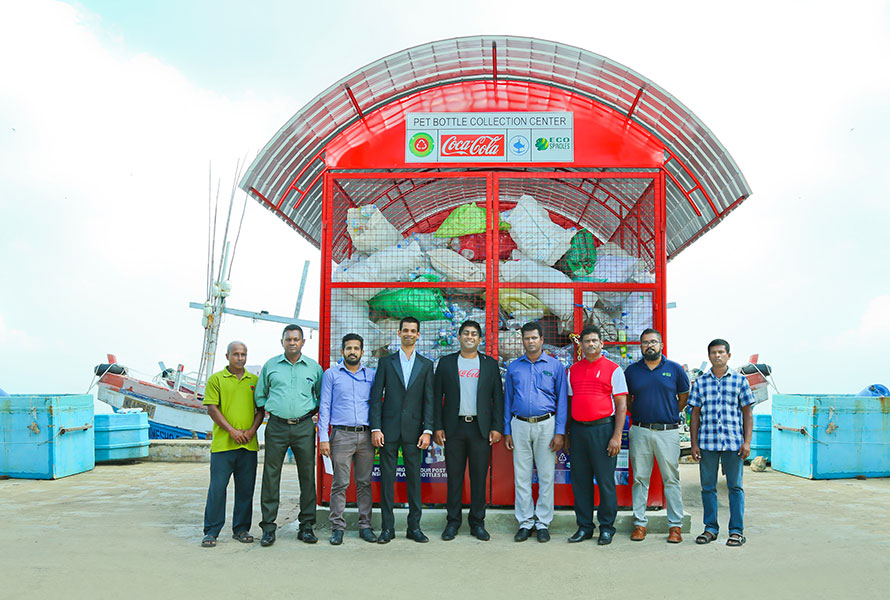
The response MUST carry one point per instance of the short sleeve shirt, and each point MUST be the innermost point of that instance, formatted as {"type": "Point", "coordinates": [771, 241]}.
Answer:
{"type": "Point", "coordinates": [593, 385]}
{"type": "Point", "coordinates": [235, 400]}
{"type": "Point", "coordinates": [721, 401]}
{"type": "Point", "coordinates": [655, 391]}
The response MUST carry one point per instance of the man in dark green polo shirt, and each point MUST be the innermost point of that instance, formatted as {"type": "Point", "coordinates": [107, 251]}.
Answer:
{"type": "Point", "coordinates": [289, 389]}
{"type": "Point", "coordinates": [228, 397]}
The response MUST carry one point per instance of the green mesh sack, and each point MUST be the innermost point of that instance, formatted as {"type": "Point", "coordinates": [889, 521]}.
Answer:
{"type": "Point", "coordinates": [581, 256]}
{"type": "Point", "coordinates": [424, 304]}
{"type": "Point", "coordinates": [466, 219]}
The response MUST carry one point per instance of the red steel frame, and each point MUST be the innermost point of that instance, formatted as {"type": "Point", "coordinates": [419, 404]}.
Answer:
{"type": "Point", "coordinates": [498, 494]}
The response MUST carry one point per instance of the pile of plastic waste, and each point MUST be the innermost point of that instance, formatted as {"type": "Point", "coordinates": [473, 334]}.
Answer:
{"type": "Point", "coordinates": [531, 249]}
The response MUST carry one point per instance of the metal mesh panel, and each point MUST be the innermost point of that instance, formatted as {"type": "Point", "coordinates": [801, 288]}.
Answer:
{"type": "Point", "coordinates": [375, 313]}
{"type": "Point", "coordinates": [622, 317]}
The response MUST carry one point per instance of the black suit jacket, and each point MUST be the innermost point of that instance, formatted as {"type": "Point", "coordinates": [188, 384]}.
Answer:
{"type": "Point", "coordinates": [489, 395]}
{"type": "Point", "coordinates": [398, 412]}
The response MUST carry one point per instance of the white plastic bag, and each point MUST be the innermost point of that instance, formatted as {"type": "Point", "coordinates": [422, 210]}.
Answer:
{"type": "Point", "coordinates": [369, 229]}
{"type": "Point", "coordinates": [557, 300]}
{"type": "Point", "coordinates": [454, 266]}
{"type": "Point", "coordinates": [396, 263]}
{"type": "Point", "coordinates": [536, 236]}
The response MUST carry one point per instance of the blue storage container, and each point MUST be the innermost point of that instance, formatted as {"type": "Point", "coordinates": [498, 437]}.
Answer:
{"type": "Point", "coordinates": [46, 437]}
{"type": "Point", "coordinates": [831, 437]}
{"type": "Point", "coordinates": [121, 436]}
{"type": "Point", "coordinates": [761, 437]}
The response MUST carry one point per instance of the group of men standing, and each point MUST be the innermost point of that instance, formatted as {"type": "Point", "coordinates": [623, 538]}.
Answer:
{"type": "Point", "coordinates": [462, 405]}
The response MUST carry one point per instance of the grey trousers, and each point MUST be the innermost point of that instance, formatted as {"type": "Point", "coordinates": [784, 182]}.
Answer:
{"type": "Point", "coordinates": [647, 446]}
{"type": "Point", "coordinates": [301, 439]}
{"type": "Point", "coordinates": [531, 449]}
{"type": "Point", "coordinates": [348, 448]}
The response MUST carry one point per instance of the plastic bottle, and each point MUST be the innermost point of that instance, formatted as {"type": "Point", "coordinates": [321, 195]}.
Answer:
{"type": "Point", "coordinates": [622, 334]}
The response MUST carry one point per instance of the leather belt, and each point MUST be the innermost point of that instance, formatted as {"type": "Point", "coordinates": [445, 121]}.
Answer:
{"type": "Point", "coordinates": [357, 429]}
{"type": "Point", "coordinates": [296, 421]}
{"type": "Point", "coordinates": [602, 421]}
{"type": "Point", "coordinates": [537, 419]}
{"type": "Point", "coordinates": [658, 426]}
{"type": "Point", "coordinates": [467, 418]}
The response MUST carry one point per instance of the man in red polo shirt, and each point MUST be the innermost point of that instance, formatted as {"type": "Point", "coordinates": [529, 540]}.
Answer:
{"type": "Point", "coordinates": [598, 408]}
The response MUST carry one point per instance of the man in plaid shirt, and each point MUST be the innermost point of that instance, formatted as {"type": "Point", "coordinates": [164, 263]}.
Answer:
{"type": "Point", "coordinates": [720, 429]}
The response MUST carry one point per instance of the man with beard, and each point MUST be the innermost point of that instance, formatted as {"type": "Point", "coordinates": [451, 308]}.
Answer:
{"type": "Point", "coordinates": [345, 391]}
{"type": "Point", "coordinates": [469, 403]}
{"type": "Point", "coordinates": [401, 416]}
{"type": "Point", "coordinates": [658, 390]}
{"type": "Point", "coordinates": [599, 406]}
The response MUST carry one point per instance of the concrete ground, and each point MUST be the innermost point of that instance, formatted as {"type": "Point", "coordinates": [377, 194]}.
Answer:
{"type": "Point", "coordinates": [133, 531]}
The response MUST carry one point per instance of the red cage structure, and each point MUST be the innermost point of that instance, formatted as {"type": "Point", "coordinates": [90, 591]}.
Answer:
{"type": "Point", "coordinates": [502, 179]}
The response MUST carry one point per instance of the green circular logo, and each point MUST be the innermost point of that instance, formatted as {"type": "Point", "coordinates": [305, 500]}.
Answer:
{"type": "Point", "coordinates": [421, 144]}
{"type": "Point", "coordinates": [542, 143]}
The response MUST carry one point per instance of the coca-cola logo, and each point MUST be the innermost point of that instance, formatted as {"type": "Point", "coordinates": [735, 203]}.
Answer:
{"type": "Point", "coordinates": [470, 373]}
{"type": "Point", "coordinates": [474, 145]}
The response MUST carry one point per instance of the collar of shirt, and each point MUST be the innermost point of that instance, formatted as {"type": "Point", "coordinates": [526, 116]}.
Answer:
{"type": "Point", "coordinates": [642, 363]}
{"type": "Point", "coordinates": [302, 359]}
{"type": "Point", "coordinates": [361, 372]}
{"type": "Point", "coordinates": [544, 356]}
{"type": "Point", "coordinates": [247, 374]}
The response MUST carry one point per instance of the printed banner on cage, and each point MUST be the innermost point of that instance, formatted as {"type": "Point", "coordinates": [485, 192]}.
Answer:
{"type": "Point", "coordinates": [432, 466]}
{"type": "Point", "coordinates": [541, 137]}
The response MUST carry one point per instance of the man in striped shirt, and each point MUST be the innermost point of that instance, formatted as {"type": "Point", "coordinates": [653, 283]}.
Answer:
{"type": "Point", "coordinates": [721, 426]}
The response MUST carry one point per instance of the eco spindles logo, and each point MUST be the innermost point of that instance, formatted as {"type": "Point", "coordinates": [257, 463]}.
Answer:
{"type": "Point", "coordinates": [542, 143]}
{"type": "Point", "coordinates": [421, 144]}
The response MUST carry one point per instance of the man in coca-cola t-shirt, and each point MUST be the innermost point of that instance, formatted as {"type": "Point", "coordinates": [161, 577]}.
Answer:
{"type": "Point", "coordinates": [469, 419]}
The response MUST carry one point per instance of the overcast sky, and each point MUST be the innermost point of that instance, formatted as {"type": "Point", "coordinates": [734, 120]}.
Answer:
{"type": "Point", "coordinates": [110, 113]}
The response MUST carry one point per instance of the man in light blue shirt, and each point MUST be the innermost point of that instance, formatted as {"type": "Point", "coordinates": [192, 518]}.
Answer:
{"type": "Point", "coordinates": [289, 389]}
{"type": "Point", "coordinates": [535, 408]}
{"type": "Point", "coordinates": [345, 391]}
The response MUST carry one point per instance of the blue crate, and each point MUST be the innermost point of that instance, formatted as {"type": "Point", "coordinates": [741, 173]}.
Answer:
{"type": "Point", "coordinates": [121, 436]}
{"type": "Point", "coordinates": [761, 437]}
{"type": "Point", "coordinates": [831, 437]}
{"type": "Point", "coordinates": [46, 437]}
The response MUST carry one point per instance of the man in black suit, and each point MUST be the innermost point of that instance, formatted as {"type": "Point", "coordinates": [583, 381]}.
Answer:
{"type": "Point", "coordinates": [401, 415]}
{"type": "Point", "coordinates": [471, 419]}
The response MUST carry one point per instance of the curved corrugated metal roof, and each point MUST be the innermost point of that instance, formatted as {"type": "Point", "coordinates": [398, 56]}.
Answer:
{"type": "Point", "coordinates": [703, 181]}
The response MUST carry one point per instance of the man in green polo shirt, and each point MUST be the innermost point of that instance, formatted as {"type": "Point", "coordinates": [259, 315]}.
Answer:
{"type": "Point", "coordinates": [289, 389]}
{"type": "Point", "coordinates": [228, 397]}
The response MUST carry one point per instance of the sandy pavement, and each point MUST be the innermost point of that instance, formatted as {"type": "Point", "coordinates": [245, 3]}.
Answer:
{"type": "Point", "coordinates": [133, 531]}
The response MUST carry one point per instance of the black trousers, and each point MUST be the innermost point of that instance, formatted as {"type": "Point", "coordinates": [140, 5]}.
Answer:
{"type": "Point", "coordinates": [242, 464]}
{"type": "Point", "coordinates": [462, 446]}
{"type": "Point", "coordinates": [300, 438]}
{"type": "Point", "coordinates": [411, 456]}
{"type": "Point", "coordinates": [588, 458]}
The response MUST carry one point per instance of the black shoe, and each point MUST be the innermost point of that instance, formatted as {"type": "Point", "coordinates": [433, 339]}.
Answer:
{"type": "Point", "coordinates": [268, 539]}
{"type": "Point", "coordinates": [580, 536]}
{"type": "Point", "coordinates": [367, 535]}
{"type": "Point", "coordinates": [605, 538]}
{"type": "Point", "coordinates": [385, 536]}
{"type": "Point", "coordinates": [522, 534]}
{"type": "Point", "coordinates": [336, 537]}
{"type": "Point", "coordinates": [478, 531]}
{"type": "Point", "coordinates": [306, 535]}
{"type": "Point", "coordinates": [449, 533]}
{"type": "Point", "coordinates": [417, 536]}
{"type": "Point", "coordinates": [543, 535]}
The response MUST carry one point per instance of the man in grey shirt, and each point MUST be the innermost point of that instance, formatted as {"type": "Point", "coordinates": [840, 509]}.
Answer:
{"type": "Point", "coordinates": [469, 412]}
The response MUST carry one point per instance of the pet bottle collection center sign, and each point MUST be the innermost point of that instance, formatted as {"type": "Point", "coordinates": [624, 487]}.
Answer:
{"type": "Point", "coordinates": [542, 137]}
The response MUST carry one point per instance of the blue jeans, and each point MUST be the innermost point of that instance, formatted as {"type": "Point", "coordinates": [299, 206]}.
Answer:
{"type": "Point", "coordinates": [707, 469]}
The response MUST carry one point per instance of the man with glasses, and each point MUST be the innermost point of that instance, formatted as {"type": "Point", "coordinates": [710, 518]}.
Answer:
{"type": "Point", "coordinates": [658, 390]}
{"type": "Point", "coordinates": [345, 393]}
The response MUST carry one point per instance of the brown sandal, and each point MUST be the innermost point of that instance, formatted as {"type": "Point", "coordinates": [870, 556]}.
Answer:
{"type": "Point", "coordinates": [705, 538]}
